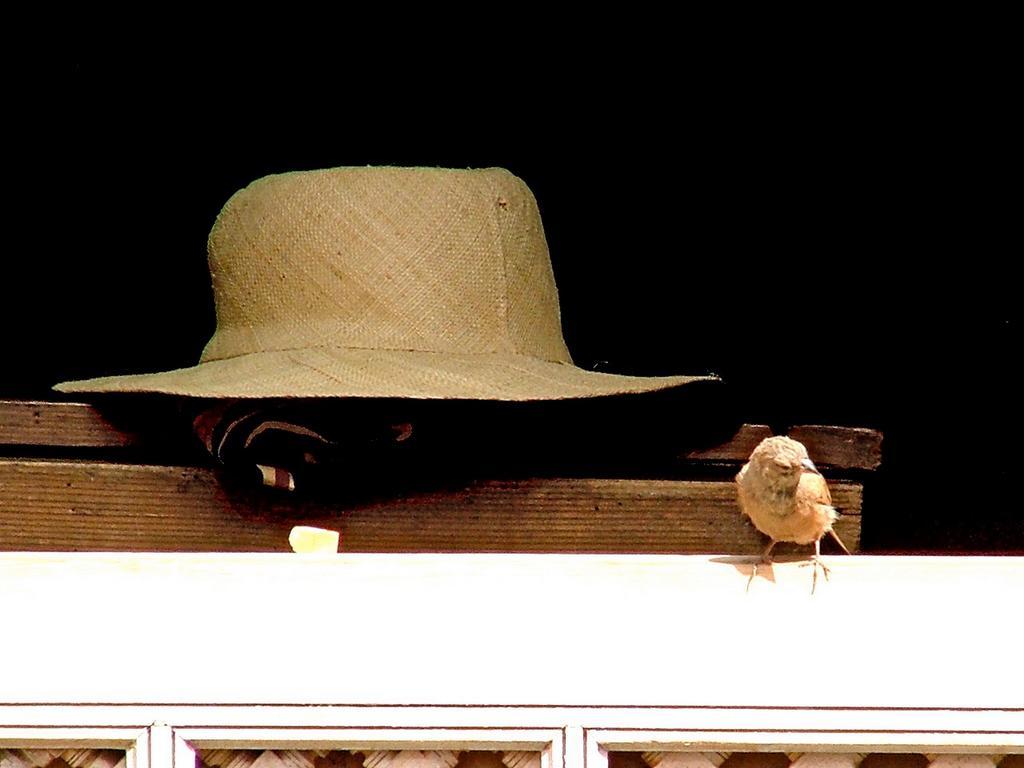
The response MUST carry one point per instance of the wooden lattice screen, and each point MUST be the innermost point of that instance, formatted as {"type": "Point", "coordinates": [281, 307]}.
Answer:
{"type": "Point", "coordinates": [326, 758]}
{"type": "Point", "coordinates": [323, 758]}
{"type": "Point", "coordinates": [809, 760]}
{"type": "Point", "coordinates": [62, 758]}
{"type": "Point", "coordinates": [234, 758]}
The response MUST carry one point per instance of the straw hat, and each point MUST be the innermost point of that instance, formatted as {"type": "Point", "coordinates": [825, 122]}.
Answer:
{"type": "Point", "coordinates": [383, 282]}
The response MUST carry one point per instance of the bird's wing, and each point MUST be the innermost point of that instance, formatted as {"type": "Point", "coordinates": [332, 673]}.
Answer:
{"type": "Point", "coordinates": [814, 504]}
{"type": "Point", "coordinates": [812, 489]}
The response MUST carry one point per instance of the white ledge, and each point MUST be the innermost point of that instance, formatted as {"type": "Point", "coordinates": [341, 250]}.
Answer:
{"type": "Point", "coordinates": [510, 630]}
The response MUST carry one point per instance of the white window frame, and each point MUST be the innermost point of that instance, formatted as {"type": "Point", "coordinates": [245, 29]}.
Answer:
{"type": "Point", "coordinates": [565, 737]}
{"type": "Point", "coordinates": [134, 740]}
{"type": "Point", "coordinates": [570, 595]}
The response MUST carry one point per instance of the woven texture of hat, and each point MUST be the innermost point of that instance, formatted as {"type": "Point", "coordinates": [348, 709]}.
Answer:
{"type": "Point", "coordinates": [383, 282]}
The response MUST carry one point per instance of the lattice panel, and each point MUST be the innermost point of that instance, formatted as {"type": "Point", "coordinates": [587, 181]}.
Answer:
{"type": "Point", "coordinates": [808, 760]}
{"type": "Point", "coordinates": [62, 758]}
{"type": "Point", "coordinates": [324, 758]}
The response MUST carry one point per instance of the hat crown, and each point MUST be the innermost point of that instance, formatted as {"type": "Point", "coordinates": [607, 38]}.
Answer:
{"type": "Point", "coordinates": [424, 259]}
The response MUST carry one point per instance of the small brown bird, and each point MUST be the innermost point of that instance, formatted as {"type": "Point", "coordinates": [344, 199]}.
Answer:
{"type": "Point", "coordinates": [786, 498]}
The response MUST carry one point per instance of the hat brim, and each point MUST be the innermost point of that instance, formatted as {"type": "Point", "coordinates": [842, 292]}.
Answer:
{"type": "Point", "coordinates": [371, 373]}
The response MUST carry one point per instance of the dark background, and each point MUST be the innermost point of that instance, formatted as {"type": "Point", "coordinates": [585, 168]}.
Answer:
{"type": "Point", "coordinates": [833, 241]}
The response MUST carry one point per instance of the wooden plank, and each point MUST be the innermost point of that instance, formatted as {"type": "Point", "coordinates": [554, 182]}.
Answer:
{"type": "Point", "coordinates": [79, 425]}
{"type": "Point", "coordinates": [522, 759]}
{"type": "Point", "coordinates": [35, 737]}
{"type": "Point", "coordinates": [233, 747]}
{"type": "Point", "coordinates": [826, 760]}
{"type": "Point", "coordinates": [684, 759]}
{"type": "Point", "coordinates": [68, 757]}
{"type": "Point", "coordinates": [841, 447]}
{"type": "Point", "coordinates": [411, 758]}
{"type": "Point", "coordinates": [736, 449]}
{"type": "Point", "coordinates": [75, 425]}
{"type": "Point", "coordinates": [510, 630]}
{"type": "Point", "coordinates": [161, 746]}
{"type": "Point", "coordinates": [575, 754]}
{"type": "Point", "coordinates": [838, 447]}
{"type": "Point", "coordinates": [53, 505]}
{"type": "Point", "coordinates": [221, 726]}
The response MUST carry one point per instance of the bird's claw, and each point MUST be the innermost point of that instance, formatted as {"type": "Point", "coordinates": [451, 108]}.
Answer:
{"type": "Point", "coordinates": [765, 560]}
{"type": "Point", "coordinates": [816, 561]}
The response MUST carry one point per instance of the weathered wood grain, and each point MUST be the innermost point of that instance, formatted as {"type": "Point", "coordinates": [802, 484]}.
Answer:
{"type": "Point", "coordinates": [841, 447]}
{"type": "Point", "coordinates": [837, 447]}
{"type": "Point", "coordinates": [81, 506]}
{"type": "Point", "coordinates": [74, 425]}
{"type": "Point", "coordinates": [736, 449]}
{"type": "Point", "coordinates": [62, 758]}
{"type": "Point", "coordinates": [78, 425]}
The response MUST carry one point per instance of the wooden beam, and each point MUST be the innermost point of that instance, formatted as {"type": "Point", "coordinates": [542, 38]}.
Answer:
{"type": "Point", "coordinates": [841, 447]}
{"type": "Point", "coordinates": [734, 450]}
{"type": "Point", "coordinates": [73, 425]}
{"type": "Point", "coordinates": [78, 425]}
{"type": "Point", "coordinates": [837, 447]}
{"type": "Point", "coordinates": [60, 505]}
{"type": "Point", "coordinates": [526, 631]}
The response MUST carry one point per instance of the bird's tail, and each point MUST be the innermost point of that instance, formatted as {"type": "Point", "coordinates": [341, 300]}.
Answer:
{"type": "Point", "coordinates": [839, 541]}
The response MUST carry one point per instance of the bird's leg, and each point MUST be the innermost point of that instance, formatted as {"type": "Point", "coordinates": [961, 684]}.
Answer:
{"type": "Point", "coordinates": [816, 559]}
{"type": "Point", "coordinates": [766, 558]}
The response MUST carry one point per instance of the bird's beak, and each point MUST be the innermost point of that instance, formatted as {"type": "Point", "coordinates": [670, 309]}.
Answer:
{"type": "Point", "coordinates": [809, 465]}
